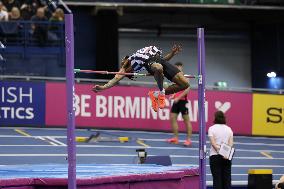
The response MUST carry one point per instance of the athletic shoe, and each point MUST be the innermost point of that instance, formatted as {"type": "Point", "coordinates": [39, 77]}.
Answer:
{"type": "Point", "coordinates": [187, 142]}
{"type": "Point", "coordinates": [154, 101]}
{"type": "Point", "coordinates": [173, 140]}
{"type": "Point", "coordinates": [162, 101]}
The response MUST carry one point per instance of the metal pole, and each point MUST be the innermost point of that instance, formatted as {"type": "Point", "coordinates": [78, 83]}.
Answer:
{"type": "Point", "coordinates": [120, 73]}
{"type": "Point", "coordinates": [70, 90]}
{"type": "Point", "coordinates": [201, 108]}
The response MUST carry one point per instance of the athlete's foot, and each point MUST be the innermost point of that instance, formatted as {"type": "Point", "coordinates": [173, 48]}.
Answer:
{"type": "Point", "coordinates": [173, 140]}
{"type": "Point", "coordinates": [154, 101]}
{"type": "Point", "coordinates": [187, 142]}
{"type": "Point", "coordinates": [162, 100]}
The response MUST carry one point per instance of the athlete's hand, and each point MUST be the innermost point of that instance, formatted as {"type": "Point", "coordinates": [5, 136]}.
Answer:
{"type": "Point", "coordinates": [176, 100]}
{"type": "Point", "coordinates": [172, 97]}
{"type": "Point", "coordinates": [224, 157]}
{"type": "Point", "coordinates": [98, 88]}
{"type": "Point", "coordinates": [176, 49]}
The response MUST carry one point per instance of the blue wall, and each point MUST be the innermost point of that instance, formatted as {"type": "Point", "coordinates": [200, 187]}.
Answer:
{"type": "Point", "coordinates": [85, 39]}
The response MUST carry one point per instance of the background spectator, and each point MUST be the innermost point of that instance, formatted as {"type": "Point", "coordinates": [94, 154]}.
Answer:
{"type": "Point", "coordinates": [57, 16]}
{"type": "Point", "coordinates": [15, 14]}
{"type": "Point", "coordinates": [9, 4]}
{"type": "Point", "coordinates": [220, 167]}
{"type": "Point", "coordinates": [39, 28]}
{"type": "Point", "coordinates": [11, 29]}
{"type": "Point", "coordinates": [280, 184]}
{"type": "Point", "coordinates": [29, 8]}
{"type": "Point", "coordinates": [3, 12]}
{"type": "Point", "coordinates": [54, 26]}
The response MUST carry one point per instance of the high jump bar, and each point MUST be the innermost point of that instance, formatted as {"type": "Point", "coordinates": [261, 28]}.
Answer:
{"type": "Point", "coordinates": [119, 73]}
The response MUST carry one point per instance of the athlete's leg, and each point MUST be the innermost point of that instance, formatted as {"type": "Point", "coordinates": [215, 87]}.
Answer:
{"type": "Point", "coordinates": [157, 70]}
{"type": "Point", "coordinates": [180, 83]}
{"type": "Point", "coordinates": [174, 124]}
{"type": "Point", "coordinates": [184, 113]}
{"type": "Point", "coordinates": [157, 97]}
{"type": "Point", "coordinates": [188, 125]}
{"type": "Point", "coordinates": [173, 117]}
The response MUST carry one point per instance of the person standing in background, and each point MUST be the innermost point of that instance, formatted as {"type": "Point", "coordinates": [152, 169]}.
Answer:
{"type": "Point", "coordinates": [220, 166]}
{"type": "Point", "coordinates": [179, 106]}
{"type": "Point", "coordinates": [9, 4]}
{"type": "Point", "coordinates": [39, 26]}
{"type": "Point", "coordinates": [4, 16]}
{"type": "Point", "coordinates": [280, 184]}
{"type": "Point", "coordinates": [15, 14]}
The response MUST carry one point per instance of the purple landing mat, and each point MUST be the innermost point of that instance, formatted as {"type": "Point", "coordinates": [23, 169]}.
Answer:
{"type": "Point", "coordinates": [54, 176]}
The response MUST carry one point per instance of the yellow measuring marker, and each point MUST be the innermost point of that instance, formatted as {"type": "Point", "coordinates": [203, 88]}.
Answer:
{"type": "Point", "coordinates": [81, 139]}
{"type": "Point", "coordinates": [142, 143]}
{"type": "Point", "coordinates": [98, 138]}
{"type": "Point", "coordinates": [266, 154]}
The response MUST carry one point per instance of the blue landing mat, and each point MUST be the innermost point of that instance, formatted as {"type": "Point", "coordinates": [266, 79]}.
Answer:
{"type": "Point", "coordinates": [84, 170]}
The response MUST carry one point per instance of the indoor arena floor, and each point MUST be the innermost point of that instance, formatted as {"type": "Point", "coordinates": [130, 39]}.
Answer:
{"type": "Point", "coordinates": [43, 145]}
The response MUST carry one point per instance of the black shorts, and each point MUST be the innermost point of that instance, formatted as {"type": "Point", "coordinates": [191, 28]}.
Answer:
{"type": "Point", "coordinates": [169, 70]}
{"type": "Point", "coordinates": [180, 107]}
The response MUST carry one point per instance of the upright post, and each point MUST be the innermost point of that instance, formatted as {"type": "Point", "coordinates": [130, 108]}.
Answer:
{"type": "Point", "coordinates": [201, 107]}
{"type": "Point", "coordinates": [69, 50]}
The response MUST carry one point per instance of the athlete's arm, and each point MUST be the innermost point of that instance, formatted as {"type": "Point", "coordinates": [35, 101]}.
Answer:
{"type": "Point", "coordinates": [175, 50]}
{"type": "Point", "coordinates": [183, 94]}
{"type": "Point", "coordinates": [231, 141]}
{"type": "Point", "coordinates": [280, 185]}
{"type": "Point", "coordinates": [113, 81]}
{"type": "Point", "coordinates": [214, 144]}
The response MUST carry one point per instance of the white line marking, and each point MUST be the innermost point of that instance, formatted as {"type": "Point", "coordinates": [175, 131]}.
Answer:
{"type": "Point", "coordinates": [247, 174]}
{"type": "Point", "coordinates": [142, 132]}
{"type": "Point", "coordinates": [239, 183]}
{"type": "Point", "coordinates": [236, 157]}
{"type": "Point", "coordinates": [11, 136]}
{"type": "Point", "coordinates": [28, 145]}
{"type": "Point", "coordinates": [259, 166]}
{"type": "Point", "coordinates": [60, 155]}
{"type": "Point", "coordinates": [240, 143]}
{"type": "Point", "coordinates": [39, 137]}
{"type": "Point", "coordinates": [239, 166]}
{"type": "Point", "coordinates": [148, 139]}
{"type": "Point", "coordinates": [43, 139]}
{"type": "Point", "coordinates": [22, 132]}
{"type": "Point", "coordinates": [135, 147]}
{"type": "Point", "coordinates": [260, 138]}
{"type": "Point", "coordinates": [128, 155]}
{"type": "Point", "coordinates": [258, 144]}
{"type": "Point", "coordinates": [56, 141]}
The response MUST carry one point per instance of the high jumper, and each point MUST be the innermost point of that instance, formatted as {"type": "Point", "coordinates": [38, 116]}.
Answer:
{"type": "Point", "coordinates": [150, 58]}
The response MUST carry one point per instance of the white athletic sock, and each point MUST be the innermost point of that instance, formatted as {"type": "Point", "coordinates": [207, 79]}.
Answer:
{"type": "Point", "coordinates": [156, 93]}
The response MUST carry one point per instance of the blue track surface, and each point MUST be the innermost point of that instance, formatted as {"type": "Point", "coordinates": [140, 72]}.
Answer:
{"type": "Point", "coordinates": [42, 146]}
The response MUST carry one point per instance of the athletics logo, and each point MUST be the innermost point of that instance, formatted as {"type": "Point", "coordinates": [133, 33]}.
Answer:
{"type": "Point", "coordinates": [222, 107]}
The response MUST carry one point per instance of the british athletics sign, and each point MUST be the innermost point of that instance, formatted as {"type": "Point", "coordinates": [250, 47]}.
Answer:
{"type": "Point", "coordinates": [22, 103]}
